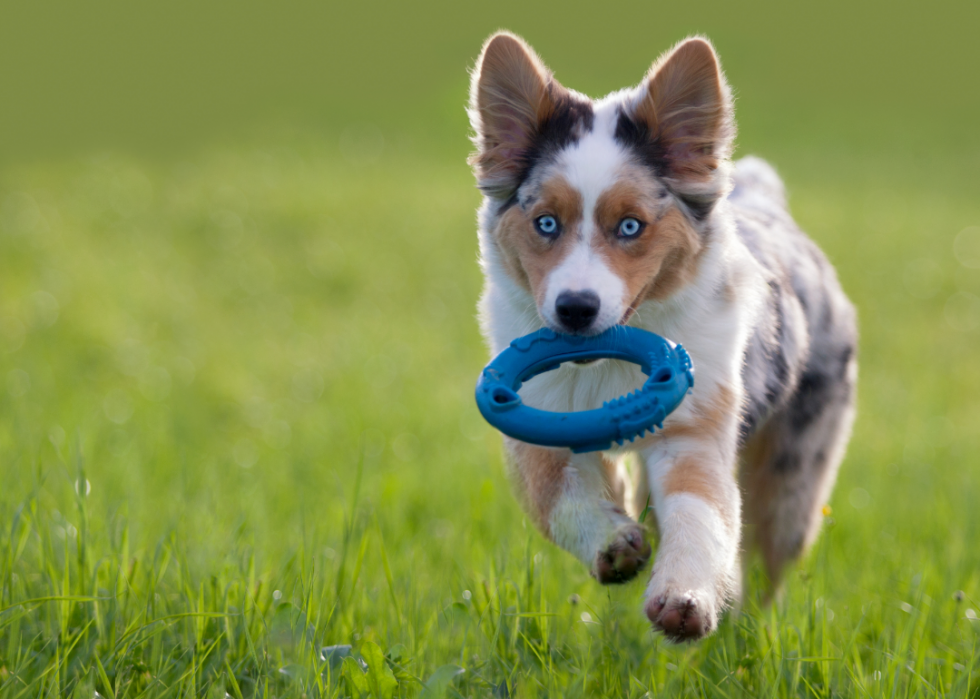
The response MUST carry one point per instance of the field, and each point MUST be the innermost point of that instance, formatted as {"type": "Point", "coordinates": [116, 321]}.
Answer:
{"type": "Point", "coordinates": [239, 452]}
{"type": "Point", "coordinates": [225, 449]}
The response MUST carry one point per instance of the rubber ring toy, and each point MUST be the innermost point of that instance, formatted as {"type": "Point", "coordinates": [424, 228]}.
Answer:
{"type": "Point", "coordinates": [668, 366]}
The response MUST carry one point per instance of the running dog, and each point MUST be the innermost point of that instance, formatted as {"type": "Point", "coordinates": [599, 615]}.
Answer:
{"type": "Point", "coordinates": [628, 209]}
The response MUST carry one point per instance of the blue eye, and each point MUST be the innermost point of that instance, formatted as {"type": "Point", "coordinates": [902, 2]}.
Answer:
{"type": "Point", "coordinates": [630, 228]}
{"type": "Point", "coordinates": [546, 226]}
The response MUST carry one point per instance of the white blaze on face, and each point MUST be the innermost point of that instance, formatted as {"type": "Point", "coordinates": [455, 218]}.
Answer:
{"type": "Point", "coordinates": [591, 166]}
{"type": "Point", "coordinates": [585, 270]}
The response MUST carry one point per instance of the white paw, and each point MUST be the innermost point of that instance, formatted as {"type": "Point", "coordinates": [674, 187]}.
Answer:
{"type": "Point", "coordinates": [683, 615]}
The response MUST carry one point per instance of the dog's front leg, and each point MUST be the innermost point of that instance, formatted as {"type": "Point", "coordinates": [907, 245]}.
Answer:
{"type": "Point", "coordinates": [574, 501]}
{"type": "Point", "coordinates": [692, 476]}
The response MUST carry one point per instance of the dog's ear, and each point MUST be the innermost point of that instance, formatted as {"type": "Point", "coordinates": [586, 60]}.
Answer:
{"type": "Point", "coordinates": [510, 98]}
{"type": "Point", "coordinates": [683, 112]}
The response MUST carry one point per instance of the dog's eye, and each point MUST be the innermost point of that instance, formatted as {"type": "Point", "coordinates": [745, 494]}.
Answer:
{"type": "Point", "coordinates": [547, 226]}
{"type": "Point", "coordinates": [630, 228]}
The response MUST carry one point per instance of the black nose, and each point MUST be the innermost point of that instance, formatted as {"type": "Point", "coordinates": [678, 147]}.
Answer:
{"type": "Point", "coordinates": [577, 309]}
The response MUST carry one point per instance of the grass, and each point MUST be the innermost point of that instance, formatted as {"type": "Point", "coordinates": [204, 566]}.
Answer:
{"type": "Point", "coordinates": [237, 435]}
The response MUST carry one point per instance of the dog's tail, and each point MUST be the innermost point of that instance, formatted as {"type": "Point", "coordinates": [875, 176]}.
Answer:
{"type": "Point", "coordinates": [755, 177]}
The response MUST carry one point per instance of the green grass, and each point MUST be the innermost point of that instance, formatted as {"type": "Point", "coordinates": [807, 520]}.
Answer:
{"type": "Point", "coordinates": [237, 426]}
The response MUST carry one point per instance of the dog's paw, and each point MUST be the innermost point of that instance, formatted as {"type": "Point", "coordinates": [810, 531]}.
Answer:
{"type": "Point", "coordinates": [683, 616]}
{"type": "Point", "coordinates": [624, 557]}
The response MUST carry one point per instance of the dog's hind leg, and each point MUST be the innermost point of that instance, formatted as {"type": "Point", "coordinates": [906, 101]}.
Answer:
{"type": "Point", "coordinates": [790, 465]}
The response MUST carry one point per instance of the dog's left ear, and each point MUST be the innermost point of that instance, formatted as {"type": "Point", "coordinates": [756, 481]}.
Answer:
{"type": "Point", "coordinates": [683, 114]}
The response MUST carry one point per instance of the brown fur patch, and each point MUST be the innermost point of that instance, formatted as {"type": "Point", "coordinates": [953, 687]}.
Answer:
{"type": "Point", "coordinates": [688, 476]}
{"type": "Point", "coordinates": [706, 426]}
{"type": "Point", "coordinates": [682, 250]}
{"type": "Point", "coordinates": [537, 474]}
{"type": "Point", "coordinates": [760, 488]}
{"type": "Point", "coordinates": [663, 257]}
{"type": "Point", "coordinates": [708, 418]}
{"type": "Point", "coordinates": [528, 255]}
{"type": "Point", "coordinates": [729, 293]}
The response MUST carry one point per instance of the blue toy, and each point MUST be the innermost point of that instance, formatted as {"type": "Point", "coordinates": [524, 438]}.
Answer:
{"type": "Point", "coordinates": [668, 366]}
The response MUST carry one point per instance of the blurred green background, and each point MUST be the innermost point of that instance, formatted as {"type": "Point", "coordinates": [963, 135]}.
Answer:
{"type": "Point", "coordinates": [164, 78]}
{"type": "Point", "coordinates": [237, 349]}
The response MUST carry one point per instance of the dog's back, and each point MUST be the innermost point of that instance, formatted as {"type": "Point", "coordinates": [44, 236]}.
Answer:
{"type": "Point", "coordinates": [799, 372]}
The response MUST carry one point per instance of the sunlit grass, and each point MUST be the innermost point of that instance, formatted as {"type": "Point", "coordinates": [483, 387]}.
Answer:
{"type": "Point", "coordinates": [237, 428]}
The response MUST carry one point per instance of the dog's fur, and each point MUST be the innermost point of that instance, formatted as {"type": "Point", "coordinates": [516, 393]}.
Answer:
{"type": "Point", "coordinates": [719, 266]}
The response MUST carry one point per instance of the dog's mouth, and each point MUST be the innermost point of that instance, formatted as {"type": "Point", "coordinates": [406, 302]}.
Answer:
{"type": "Point", "coordinates": [622, 321]}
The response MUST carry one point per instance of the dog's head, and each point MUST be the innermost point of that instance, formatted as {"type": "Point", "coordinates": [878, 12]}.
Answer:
{"type": "Point", "coordinates": [596, 207]}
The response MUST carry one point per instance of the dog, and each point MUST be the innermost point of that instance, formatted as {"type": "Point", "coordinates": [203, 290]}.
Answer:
{"type": "Point", "coordinates": [629, 209]}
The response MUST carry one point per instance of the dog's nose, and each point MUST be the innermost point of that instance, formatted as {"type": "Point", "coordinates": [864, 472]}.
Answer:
{"type": "Point", "coordinates": [577, 309]}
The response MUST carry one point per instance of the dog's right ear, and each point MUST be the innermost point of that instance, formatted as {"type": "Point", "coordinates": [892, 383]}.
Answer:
{"type": "Point", "coordinates": [510, 97]}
